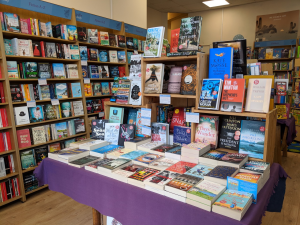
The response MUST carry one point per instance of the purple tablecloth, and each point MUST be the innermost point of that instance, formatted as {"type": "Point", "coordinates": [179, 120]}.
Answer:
{"type": "Point", "coordinates": [135, 206]}
{"type": "Point", "coordinates": [290, 123]}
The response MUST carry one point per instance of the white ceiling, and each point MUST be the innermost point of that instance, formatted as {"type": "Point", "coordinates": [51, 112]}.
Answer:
{"type": "Point", "coordinates": [188, 6]}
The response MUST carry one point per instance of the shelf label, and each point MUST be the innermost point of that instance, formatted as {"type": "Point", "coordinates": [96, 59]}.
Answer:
{"type": "Point", "coordinates": [87, 80]}
{"type": "Point", "coordinates": [135, 52]}
{"type": "Point", "coordinates": [146, 130]}
{"type": "Point", "coordinates": [192, 117]}
{"type": "Point", "coordinates": [83, 62]}
{"type": "Point", "coordinates": [42, 81]}
{"type": "Point", "coordinates": [54, 101]}
{"type": "Point", "coordinates": [31, 103]}
{"type": "Point", "coordinates": [101, 114]}
{"type": "Point", "coordinates": [146, 112]}
{"type": "Point", "coordinates": [146, 121]}
{"type": "Point", "coordinates": [165, 99]}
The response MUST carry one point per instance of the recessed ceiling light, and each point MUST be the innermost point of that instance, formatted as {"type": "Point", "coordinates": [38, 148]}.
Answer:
{"type": "Point", "coordinates": [215, 3]}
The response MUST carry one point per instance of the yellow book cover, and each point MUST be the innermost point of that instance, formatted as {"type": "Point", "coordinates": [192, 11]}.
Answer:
{"type": "Point", "coordinates": [281, 112]}
{"type": "Point", "coordinates": [250, 177]}
{"type": "Point", "coordinates": [269, 53]}
{"type": "Point", "coordinates": [88, 89]}
{"type": "Point", "coordinates": [27, 92]}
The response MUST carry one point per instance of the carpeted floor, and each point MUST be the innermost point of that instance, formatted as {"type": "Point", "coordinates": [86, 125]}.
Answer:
{"type": "Point", "coordinates": [294, 147]}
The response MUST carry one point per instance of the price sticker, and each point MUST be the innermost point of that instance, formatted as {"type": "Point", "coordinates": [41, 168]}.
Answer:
{"type": "Point", "coordinates": [146, 130]}
{"type": "Point", "coordinates": [146, 112]}
{"type": "Point", "coordinates": [165, 99]}
{"type": "Point", "coordinates": [146, 121]}
{"type": "Point", "coordinates": [87, 80]}
{"type": "Point", "coordinates": [42, 81]}
{"type": "Point", "coordinates": [54, 101]}
{"type": "Point", "coordinates": [101, 114]}
{"type": "Point", "coordinates": [83, 62]}
{"type": "Point", "coordinates": [31, 104]}
{"type": "Point", "coordinates": [192, 117]}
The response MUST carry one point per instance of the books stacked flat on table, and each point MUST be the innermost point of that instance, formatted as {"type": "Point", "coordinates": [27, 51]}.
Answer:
{"type": "Point", "coordinates": [101, 152]}
{"type": "Point", "coordinates": [233, 159]}
{"type": "Point", "coordinates": [122, 174]}
{"type": "Point", "coordinates": [138, 178]}
{"type": "Point", "coordinates": [220, 173]}
{"type": "Point", "coordinates": [204, 194]}
{"type": "Point", "coordinates": [113, 165]}
{"type": "Point", "coordinates": [212, 157]}
{"type": "Point", "coordinates": [117, 153]}
{"type": "Point", "coordinates": [162, 149]}
{"type": "Point", "coordinates": [257, 167]}
{"type": "Point", "coordinates": [174, 152]}
{"type": "Point", "coordinates": [181, 167]}
{"type": "Point", "coordinates": [233, 204]}
{"type": "Point", "coordinates": [192, 151]}
{"type": "Point", "coordinates": [159, 180]}
{"type": "Point", "coordinates": [149, 145]}
{"type": "Point", "coordinates": [200, 170]}
{"type": "Point", "coordinates": [77, 143]}
{"type": "Point", "coordinates": [93, 167]}
{"type": "Point", "coordinates": [146, 159]}
{"type": "Point", "coordinates": [162, 163]}
{"type": "Point", "coordinates": [93, 145]}
{"type": "Point", "coordinates": [252, 178]}
{"type": "Point", "coordinates": [134, 154]}
{"type": "Point", "coordinates": [81, 162]}
{"type": "Point", "coordinates": [68, 154]}
{"type": "Point", "coordinates": [134, 143]}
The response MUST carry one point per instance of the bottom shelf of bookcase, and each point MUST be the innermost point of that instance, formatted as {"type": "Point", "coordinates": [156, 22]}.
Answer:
{"type": "Point", "coordinates": [37, 189]}
{"type": "Point", "coordinates": [10, 200]}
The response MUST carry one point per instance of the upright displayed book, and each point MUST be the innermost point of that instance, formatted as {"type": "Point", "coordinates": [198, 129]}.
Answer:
{"type": "Point", "coordinates": [116, 115]}
{"type": "Point", "coordinates": [160, 132]}
{"type": "Point", "coordinates": [233, 95]}
{"type": "Point", "coordinates": [126, 133]}
{"type": "Point", "coordinates": [154, 78]}
{"type": "Point", "coordinates": [220, 63]}
{"type": "Point", "coordinates": [98, 129]}
{"type": "Point", "coordinates": [154, 42]}
{"type": "Point", "coordinates": [207, 130]}
{"type": "Point", "coordinates": [174, 40]}
{"type": "Point", "coordinates": [210, 94]}
{"type": "Point", "coordinates": [112, 133]}
{"type": "Point", "coordinates": [188, 80]}
{"type": "Point", "coordinates": [181, 135]}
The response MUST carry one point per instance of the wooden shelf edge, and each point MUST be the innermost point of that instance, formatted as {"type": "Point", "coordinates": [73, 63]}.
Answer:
{"type": "Point", "coordinates": [29, 169]}
{"type": "Point", "coordinates": [97, 96]}
{"type": "Point", "coordinates": [172, 95]}
{"type": "Point", "coordinates": [10, 200]}
{"type": "Point", "coordinates": [7, 152]}
{"type": "Point", "coordinates": [37, 189]}
{"type": "Point", "coordinates": [165, 58]}
{"type": "Point", "coordinates": [51, 79]}
{"type": "Point", "coordinates": [99, 62]}
{"type": "Point", "coordinates": [9, 175]}
{"type": "Point", "coordinates": [16, 57]}
{"type": "Point", "coordinates": [100, 46]}
{"type": "Point", "coordinates": [5, 128]}
{"type": "Point", "coordinates": [275, 59]}
{"type": "Point", "coordinates": [218, 112]}
{"type": "Point", "coordinates": [40, 101]}
{"type": "Point", "coordinates": [123, 105]}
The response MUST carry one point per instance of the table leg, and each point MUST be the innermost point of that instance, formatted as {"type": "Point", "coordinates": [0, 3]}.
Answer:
{"type": "Point", "coordinates": [97, 217]}
{"type": "Point", "coordinates": [284, 144]}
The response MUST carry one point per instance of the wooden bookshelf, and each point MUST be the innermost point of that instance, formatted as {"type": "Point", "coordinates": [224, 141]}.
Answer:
{"type": "Point", "coordinates": [10, 200]}
{"type": "Point", "coordinates": [29, 169]}
{"type": "Point", "coordinates": [8, 176]}
{"type": "Point", "coordinates": [102, 47]}
{"type": "Point", "coordinates": [98, 96]}
{"type": "Point", "coordinates": [246, 114]}
{"type": "Point", "coordinates": [106, 63]}
{"type": "Point", "coordinates": [39, 59]}
{"type": "Point", "coordinates": [48, 80]}
{"type": "Point", "coordinates": [37, 189]}
{"type": "Point", "coordinates": [49, 100]}
{"type": "Point", "coordinates": [281, 59]}
{"type": "Point", "coordinates": [7, 152]}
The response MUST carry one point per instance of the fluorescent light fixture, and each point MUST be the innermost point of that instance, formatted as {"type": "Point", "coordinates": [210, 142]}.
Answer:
{"type": "Point", "coordinates": [214, 3]}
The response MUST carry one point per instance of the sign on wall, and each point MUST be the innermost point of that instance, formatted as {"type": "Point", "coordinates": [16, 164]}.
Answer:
{"type": "Point", "coordinates": [135, 30]}
{"type": "Point", "coordinates": [278, 26]}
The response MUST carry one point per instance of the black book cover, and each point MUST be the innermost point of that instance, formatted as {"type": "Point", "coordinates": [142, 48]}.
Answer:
{"type": "Point", "coordinates": [36, 92]}
{"type": "Point", "coordinates": [54, 31]}
{"type": "Point", "coordinates": [31, 70]}
{"type": "Point", "coordinates": [129, 42]}
{"type": "Point", "coordinates": [40, 154]}
{"type": "Point", "coordinates": [114, 71]}
{"type": "Point", "coordinates": [126, 133]}
{"type": "Point", "coordinates": [89, 106]}
{"type": "Point", "coordinates": [37, 50]}
{"type": "Point", "coordinates": [125, 115]}
{"type": "Point", "coordinates": [6, 164]}
{"type": "Point", "coordinates": [121, 41]}
{"type": "Point", "coordinates": [62, 51]}
{"type": "Point", "coordinates": [58, 31]}
{"type": "Point", "coordinates": [58, 50]}
{"type": "Point", "coordinates": [112, 39]}
{"type": "Point", "coordinates": [16, 93]}
{"type": "Point", "coordinates": [98, 129]}
{"type": "Point", "coordinates": [79, 126]}
{"type": "Point", "coordinates": [81, 31]}
{"type": "Point", "coordinates": [93, 54]}
{"type": "Point", "coordinates": [230, 132]}
{"type": "Point", "coordinates": [44, 70]}
{"type": "Point", "coordinates": [8, 189]}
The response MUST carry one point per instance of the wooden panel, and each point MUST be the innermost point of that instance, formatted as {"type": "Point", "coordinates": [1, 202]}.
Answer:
{"type": "Point", "coordinates": [251, 61]}
{"type": "Point", "coordinates": [297, 62]}
{"type": "Point", "coordinates": [267, 67]}
{"type": "Point", "coordinates": [270, 136]}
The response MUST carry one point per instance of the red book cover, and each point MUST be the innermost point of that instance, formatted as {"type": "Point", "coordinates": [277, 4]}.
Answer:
{"type": "Point", "coordinates": [2, 92]}
{"type": "Point", "coordinates": [181, 167]}
{"type": "Point", "coordinates": [7, 135]}
{"type": "Point", "coordinates": [29, 26]}
{"type": "Point", "coordinates": [174, 40]}
{"type": "Point", "coordinates": [18, 186]}
{"type": "Point", "coordinates": [2, 115]}
{"type": "Point", "coordinates": [3, 188]}
{"type": "Point", "coordinates": [122, 71]}
{"type": "Point", "coordinates": [281, 88]}
{"type": "Point", "coordinates": [178, 118]}
{"type": "Point", "coordinates": [43, 48]}
{"type": "Point", "coordinates": [2, 147]}
{"type": "Point", "coordinates": [233, 95]}
{"type": "Point", "coordinates": [24, 138]}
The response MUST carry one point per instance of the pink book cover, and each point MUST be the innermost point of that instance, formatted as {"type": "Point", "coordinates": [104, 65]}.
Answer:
{"type": "Point", "coordinates": [24, 26]}
{"type": "Point", "coordinates": [175, 80]}
{"type": "Point", "coordinates": [207, 130]}
{"type": "Point", "coordinates": [181, 167]}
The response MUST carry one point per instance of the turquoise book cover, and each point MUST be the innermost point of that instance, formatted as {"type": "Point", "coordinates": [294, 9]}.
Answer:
{"type": "Point", "coordinates": [27, 159]}
{"type": "Point", "coordinates": [105, 88]}
{"type": "Point", "coordinates": [36, 114]}
{"type": "Point", "coordinates": [220, 63]}
{"type": "Point", "coordinates": [74, 52]}
{"type": "Point", "coordinates": [132, 116]}
{"type": "Point", "coordinates": [76, 90]}
{"type": "Point", "coordinates": [68, 142]}
{"type": "Point", "coordinates": [121, 56]}
{"type": "Point", "coordinates": [58, 70]}
{"type": "Point", "coordinates": [8, 47]}
{"type": "Point", "coordinates": [241, 185]}
{"type": "Point", "coordinates": [61, 130]}
{"type": "Point", "coordinates": [134, 154]}
{"type": "Point", "coordinates": [66, 110]}
{"type": "Point", "coordinates": [106, 149]}
{"type": "Point", "coordinates": [116, 115]}
{"type": "Point", "coordinates": [61, 90]}
{"type": "Point", "coordinates": [199, 171]}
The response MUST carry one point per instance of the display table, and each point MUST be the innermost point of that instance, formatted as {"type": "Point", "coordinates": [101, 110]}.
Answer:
{"type": "Point", "coordinates": [135, 206]}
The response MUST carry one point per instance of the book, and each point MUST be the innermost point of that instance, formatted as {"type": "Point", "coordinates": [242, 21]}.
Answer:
{"type": "Point", "coordinates": [27, 159]}
{"type": "Point", "coordinates": [59, 70]}
{"type": "Point", "coordinates": [190, 30]}
{"type": "Point", "coordinates": [188, 80]}
{"type": "Point", "coordinates": [122, 174]}
{"type": "Point", "coordinates": [159, 180]}
{"type": "Point", "coordinates": [93, 166]}
{"type": "Point", "coordinates": [113, 165]}
{"type": "Point", "coordinates": [23, 138]}
{"type": "Point", "coordinates": [117, 153]}
{"type": "Point", "coordinates": [103, 55]}
{"type": "Point", "coordinates": [104, 38]}
{"type": "Point", "coordinates": [61, 130]}
{"type": "Point", "coordinates": [50, 111]}
{"type": "Point", "coordinates": [21, 115]}
{"type": "Point", "coordinates": [134, 154]}
{"type": "Point", "coordinates": [76, 90]}
{"type": "Point", "coordinates": [121, 57]}
{"type": "Point", "coordinates": [112, 132]}
{"type": "Point", "coordinates": [233, 204]}
{"type": "Point", "coordinates": [220, 63]}
{"type": "Point", "coordinates": [154, 42]}
{"type": "Point", "coordinates": [79, 126]}
{"type": "Point", "coordinates": [38, 135]}
{"type": "Point", "coordinates": [44, 70]}
{"type": "Point", "coordinates": [11, 22]}
{"type": "Point", "coordinates": [207, 130]}
{"type": "Point", "coordinates": [61, 90]}
{"type": "Point", "coordinates": [121, 41]}
{"type": "Point", "coordinates": [77, 108]}
{"type": "Point", "coordinates": [50, 50]}
{"type": "Point", "coordinates": [181, 135]}
{"type": "Point", "coordinates": [252, 138]}
{"type": "Point", "coordinates": [233, 95]}
{"type": "Point", "coordinates": [79, 163]}
{"type": "Point", "coordinates": [162, 163]}
{"type": "Point", "coordinates": [212, 157]}
{"type": "Point", "coordinates": [160, 132]}
{"type": "Point", "coordinates": [74, 51]}
{"type": "Point", "coordinates": [31, 70]}
{"type": "Point", "coordinates": [255, 166]}
{"type": "Point", "coordinates": [200, 170]}
{"type": "Point", "coordinates": [174, 83]}
{"type": "Point", "coordinates": [103, 151]}
{"type": "Point", "coordinates": [72, 33]}
{"type": "Point", "coordinates": [93, 36]}
{"type": "Point", "coordinates": [126, 133]}
{"type": "Point", "coordinates": [230, 132]}
{"type": "Point", "coordinates": [129, 42]}
{"type": "Point", "coordinates": [40, 154]}
{"type": "Point", "coordinates": [220, 173]}
{"type": "Point", "coordinates": [134, 143]}
{"type": "Point", "coordinates": [138, 178]}
{"type": "Point", "coordinates": [36, 47]}
{"type": "Point", "coordinates": [12, 70]}
{"type": "Point", "coordinates": [36, 114]}
{"type": "Point", "coordinates": [8, 47]}
{"type": "Point", "coordinates": [174, 40]}
{"type": "Point", "coordinates": [112, 40]}
{"type": "Point", "coordinates": [258, 95]}
{"type": "Point", "coordinates": [210, 94]}
{"type": "Point", "coordinates": [116, 115]}
{"type": "Point", "coordinates": [146, 159]}
{"type": "Point", "coordinates": [181, 167]}
{"type": "Point", "coordinates": [98, 129]}
{"type": "Point", "coordinates": [82, 34]}
{"type": "Point", "coordinates": [135, 93]}
{"type": "Point", "coordinates": [233, 160]}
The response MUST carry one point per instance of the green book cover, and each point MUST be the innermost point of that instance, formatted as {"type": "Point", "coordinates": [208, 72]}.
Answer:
{"type": "Point", "coordinates": [66, 110]}
{"type": "Point", "coordinates": [116, 115]}
{"type": "Point", "coordinates": [50, 112]}
{"type": "Point", "coordinates": [27, 159]}
{"type": "Point", "coordinates": [31, 70]}
{"type": "Point", "coordinates": [61, 130]}
{"type": "Point", "coordinates": [8, 47]}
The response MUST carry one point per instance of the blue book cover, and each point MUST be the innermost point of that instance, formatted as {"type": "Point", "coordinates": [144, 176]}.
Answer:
{"type": "Point", "coordinates": [105, 88]}
{"type": "Point", "coordinates": [211, 89]}
{"type": "Point", "coordinates": [132, 116]}
{"type": "Point", "coordinates": [220, 63]}
{"type": "Point", "coordinates": [241, 185]}
{"type": "Point", "coordinates": [52, 91]}
{"type": "Point", "coordinates": [106, 149]}
{"type": "Point", "coordinates": [49, 29]}
{"type": "Point", "coordinates": [222, 172]}
{"type": "Point", "coordinates": [129, 54]}
{"type": "Point", "coordinates": [85, 72]}
{"type": "Point", "coordinates": [114, 71]}
{"type": "Point", "coordinates": [74, 51]}
{"type": "Point", "coordinates": [93, 70]}
{"type": "Point", "coordinates": [27, 159]}
{"type": "Point", "coordinates": [72, 33]}
{"type": "Point", "coordinates": [11, 21]}
{"type": "Point", "coordinates": [61, 90]}
{"type": "Point", "coordinates": [58, 70]}
{"type": "Point", "coordinates": [199, 171]}
{"type": "Point", "coordinates": [76, 90]}
{"type": "Point", "coordinates": [262, 53]}
{"type": "Point", "coordinates": [36, 114]}
{"type": "Point", "coordinates": [66, 109]}
{"type": "Point", "coordinates": [121, 56]}
{"type": "Point", "coordinates": [116, 115]}
{"type": "Point", "coordinates": [252, 138]}
{"type": "Point", "coordinates": [181, 135]}
{"type": "Point", "coordinates": [176, 150]}
{"type": "Point", "coordinates": [277, 53]}
{"type": "Point", "coordinates": [61, 130]}
{"type": "Point", "coordinates": [68, 142]}
{"type": "Point", "coordinates": [134, 154]}
{"type": "Point", "coordinates": [103, 56]}
{"type": "Point", "coordinates": [8, 47]}
{"type": "Point", "coordinates": [83, 53]}
{"type": "Point", "coordinates": [138, 130]}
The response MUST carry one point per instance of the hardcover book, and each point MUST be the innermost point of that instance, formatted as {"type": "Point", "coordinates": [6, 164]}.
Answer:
{"type": "Point", "coordinates": [44, 70]}
{"type": "Point", "coordinates": [181, 167]}
{"type": "Point", "coordinates": [207, 130]}
{"type": "Point", "coordinates": [36, 114]}
{"type": "Point", "coordinates": [112, 132]}
{"type": "Point", "coordinates": [199, 171]}
{"type": "Point", "coordinates": [104, 39]}
{"type": "Point", "coordinates": [23, 138]}
{"type": "Point", "coordinates": [27, 159]}
{"type": "Point", "coordinates": [66, 109]}
{"type": "Point", "coordinates": [129, 42]}
{"type": "Point", "coordinates": [188, 80]}
{"type": "Point", "coordinates": [76, 90]}
{"type": "Point", "coordinates": [93, 36]}
{"type": "Point", "coordinates": [50, 111]}
{"type": "Point", "coordinates": [11, 21]}
{"type": "Point", "coordinates": [112, 40]}
{"type": "Point", "coordinates": [82, 35]}
{"type": "Point", "coordinates": [50, 50]}
{"type": "Point", "coordinates": [181, 135]}
{"type": "Point", "coordinates": [61, 130]}
{"type": "Point", "coordinates": [72, 33]}
{"type": "Point", "coordinates": [174, 40]}
{"type": "Point", "coordinates": [210, 94]}
{"type": "Point", "coordinates": [252, 138]}
{"type": "Point", "coordinates": [59, 70]}
{"type": "Point", "coordinates": [220, 63]}
{"type": "Point", "coordinates": [126, 133]}
{"type": "Point", "coordinates": [154, 42]}
{"type": "Point", "coordinates": [38, 135]}
{"type": "Point", "coordinates": [72, 70]}
{"type": "Point", "coordinates": [121, 41]}
{"type": "Point", "coordinates": [98, 129]}
{"type": "Point", "coordinates": [21, 115]}
{"type": "Point", "coordinates": [233, 95]}
{"type": "Point", "coordinates": [40, 154]}
{"type": "Point", "coordinates": [159, 132]}
{"type": "Point", "coordinates": [103, 56]}
{"type": "Point", "coordinates": [31, 70]}
{"type": "Point", "coordinates": [135, 93]}
{"type": "Point", "coordinates": [61, 90]}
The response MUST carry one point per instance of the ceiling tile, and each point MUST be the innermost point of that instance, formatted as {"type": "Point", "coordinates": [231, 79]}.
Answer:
{"type": "Point", "coordinates": [185, 2]}
{"type": "Point", "coordinates": [196, 7]}
{"type": "Point", "coordinates": [165, 4]}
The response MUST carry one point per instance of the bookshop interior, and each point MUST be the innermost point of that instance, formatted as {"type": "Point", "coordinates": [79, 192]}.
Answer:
{"type": "Point", "coordinates": [149, 112]}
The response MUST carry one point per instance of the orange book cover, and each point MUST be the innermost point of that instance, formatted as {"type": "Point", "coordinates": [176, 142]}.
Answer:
{"type": "Point", "coordinates": [174, 40]}
{"type": "Point", "coordinates": [27, 92]}
{"type": "Point", "coordinates": [233, 95]}
{"type": "Point", "coordinates": [250, 177]}
{"type": "Point", "coordinates": [88, 89]}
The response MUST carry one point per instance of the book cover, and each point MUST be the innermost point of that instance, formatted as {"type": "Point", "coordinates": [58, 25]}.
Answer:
{"type": "Point", "coordinates": [143, 174]}
{"type": "Point", "coordinates": [38, 135]}
{"type": "Point", "coordinates": [121, 41]}
{"type": "Point", "coordinates": [153, 43]}
{"type": "Point", "coordinates": [220, 63]}
{"type": "Point", "coordinates": [230, 132]}
{"type": "Point", "coordinates": [182, 135]}
{"type": "Point", "coordinates": [206, 189]}
{"type": "Point", "coordinates": [36, 114]}
{"type": "Point", "coordinates": [121, 57]}
{"type": "Point", "coordinates": [135, 44]}
{"type": "Point", "coordinates": [232, 199]}
{"type": "Point", "coordinates": [249, 177]}
{"type": "Point", "coordinates": [207, 130]}
{"type": "Point", "coordinates": [105, 88]}
{"type": "Point", "coordinates": [8, 47]}
{"type": "Point", "coordinates": [93, 36]}
{"type": "Point", "coordinates": [281, 112]}
{"type": "Point", "coordinates": [66, 109]}
{"type": "Point", "coordinates": [79, 126]}
{"type": "Point", "coordinates": [159, 132]}
{"type": "Point", "coordinates": [44, 70]}
{"type": "Point", "coordinates": [21, 115]}
{"type": "Point", "coordinates": [74, 51]}
{"type": "Point", "coordinates": [129, 42]}
{"type": "Point", "coordinates": [147, 158]}
{"type": "Point", "coordinates": [190, 31]}
{"type": "Point", "coordinates": [23, 138]}
{"type": "Point", "coordinates": [134, 154]}
{"type": "Point", "coordinates": [58, 70]}
{"type": "Point", "coordinates": [181, 167]}
{"type": "Point", "coordinates": [277, 53]}
{"type": "Point", "coordinates": [98, 129]}
{"type": "Point", "coordinates": [214, 154]}
{"type": "Point", "coordinates": [256, 166]}
{"type": "Point", "coordinates": [72, 33]}
{"type": "Point", "coordinates": [116, 115]}
{"type": "Point", "coordinates": [50, 111]}
{"type": "Point", "coordinates": [114, 164]}
{"type": "Point", "coordinates": [81, 33]}
{"type": "Point", "coordinates": [126, 133]}
{"type": "Point", "coordinates": [44, 92]}
{"type": "Point", "coordinates": [12, 70]}
{"type": "Point", "coordinates": [269, 53]}
{"type": "Point", "coordinates": [162, 178]}
{"type": "Point", "coordinates": [12, 23]}
{"type": "Point", "coordinates": [31, 70]}
{"type": "Point", "coordinates": [83, 53]}
{"type": "Point", "coordinates": [104, 38]}
{"type": "Point", "coordinates": [76, 90]}
{"type": "Point", "coordinates": [174, 40]}
{"type": "Point", "coordinates": [27, 159]}
{"type": "Point", "coordinates": [103, 55]}
{"type": "Point", "coordinates": [40, 154]}
{"type": "Point", "coordinates": [112, 132]}
{"type": "Point", "coordinates": [61, 90]}
{"type": "Point", "coordinates": [184, 182]}
{"type": "Point", "coordinates": [252, 138]}
{"type": "Point", "coordinates": [72, 70]}
{"type": "Point", "coordinates": [188, 79]}
{"type": "Point", "coordinates": [233, 95]}
{"type": "Point", "coordinates": [36, 47]}
{"type": "Point", "coordinates": [163, 163]}
{"type": "Point", "coordinates": [199, 171]}
{"type": "Point", "coordinates": [138, 130]}
{"type": "Point", "coordinates": [106, 149]}
{"type": "Point", "coordinates": [112, 40]}
{"type": "Point", "coordinates": [222, 172]}
{"type": "Point", "coordinates": [210, 94]}
{"type": "Point", "coordinates": [61, 130]}
{"type": "Point", "coordinates": [235, 158]}
{"type": "Point", "coordinates": [50, 50]}
{"type": "Point", "coordinates": [174, 83]}
{"type": "Point", "coordinates": [166, 148]}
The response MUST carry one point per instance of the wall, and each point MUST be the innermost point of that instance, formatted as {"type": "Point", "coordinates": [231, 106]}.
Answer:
{"type": "Point", "coordinates": [133, 12]}
{"type": "Point", "coordinates": [239, 20]}
{"type": "Point", "coordinates": [156, 18]}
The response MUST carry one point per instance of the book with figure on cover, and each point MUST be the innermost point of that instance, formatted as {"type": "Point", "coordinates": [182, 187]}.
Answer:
{"type": "Point", "coordinates": [160, 179]}
{"type": "Point", "coordinates": [98, 129]}
{"type": "Point", "coordinates": [220, 63]}
{"type": "Point", "coordinates": [207, 130]}
{"type": "Point", "coordinates": [126, 133]}
{"type": "Point", "coordinates": [181, 167]}
{"type": "Point", "coordinates": [233, 95]}
{"type": "Point", "coordinates": [154, 78]}
{"type": "Point", "coordinates": [154, 42]}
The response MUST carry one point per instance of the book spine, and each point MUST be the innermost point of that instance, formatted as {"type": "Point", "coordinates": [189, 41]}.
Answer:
{"type": "Point", "coordinates": [7, 136]}
{"type": "Point", "coordinates": [42, 43]}
{"type": "Point", "coordinates": [2, 93]}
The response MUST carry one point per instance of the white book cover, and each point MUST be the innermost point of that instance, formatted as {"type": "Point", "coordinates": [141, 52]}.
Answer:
{"type": "Point", "coordinates": [112, 133]}
{"type": "Point", "coordinates": [72, 70]}
{"type": "Point", "coordinates": [78, 108]}
{"type": "Point", "coordinates": [21, 115]}
{"type": "Point", "coordinates": [154, 42]}
{"type": "Point", "coordinates": [135, 72]}
{"type": "Point", "coordinates": [25, 47]}
{"type": "Point", "coordinates": [163, 163]}
{"type": "Point", "coordinates": [15, 46]}
{"type": "Point", "coordinates": [135, 93]}
{"type": "Point", "coordinates": [113, 56]}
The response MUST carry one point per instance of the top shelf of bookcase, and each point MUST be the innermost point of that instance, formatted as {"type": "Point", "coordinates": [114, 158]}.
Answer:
{"type": "Point", "coordinates": [91, 45]}
{"type": "Point", "coordinates": [171, 59]}
{"type": "Point", "coordinates": [246, 114]}
{"type": "Point", "coordinates": [7, 34]}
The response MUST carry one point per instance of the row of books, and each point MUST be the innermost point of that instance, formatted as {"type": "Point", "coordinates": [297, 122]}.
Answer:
{"type": "Point", "coordinates": [39, 113]}
{"type": "Point", "coordinates": [3, 118]}
{"type": "Point", "coordinates": [5, 141]}
{"type": "Point", "coordinates": [93, 71]}
{"type": "Point", "coordinates": [34, 70]}
{"type": "Point", "coordinates": [276, 53]}
{"type": "Point", "coordinates": [13, 23]}
{"type": "Point", "coordinates": [9, 189]}
{"type": "Point", "coordinates": [97, 89]}
{"type": "Point", "coordinates": [33, 92]}
{"type": "Point", "coordinates": [49, 132]}
{"type": "Point", "coordinates": [283, 65]}
{"type": "Point", "coordinates": [94, 54]}
{"type": "Point", "coordinates": [33, 157]}
{"type": "Point", "coordinates": [7, 165]}
{"type": "Point", "coordinates": [30, 182]}
{"type": "Point", "coordinates": [29, 48]}
{"type": "Point", "coordinates": [95, 105]}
